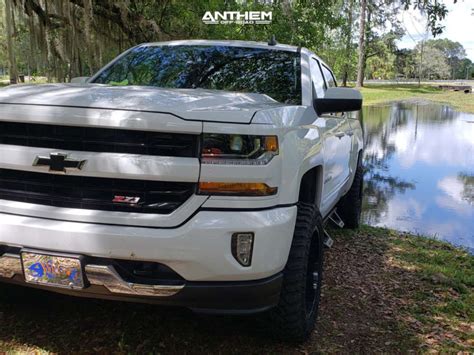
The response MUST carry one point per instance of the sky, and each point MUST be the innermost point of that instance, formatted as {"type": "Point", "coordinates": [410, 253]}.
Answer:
{"type": "Point", "coordinates": [458, 26]}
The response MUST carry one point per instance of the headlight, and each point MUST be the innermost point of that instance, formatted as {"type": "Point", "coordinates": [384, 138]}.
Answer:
{"type": "Point", "coordinates": [238, 149]}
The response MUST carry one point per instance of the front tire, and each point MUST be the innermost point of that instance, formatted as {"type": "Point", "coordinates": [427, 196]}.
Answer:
{"type": "Point", "coordinates": [295, 316]}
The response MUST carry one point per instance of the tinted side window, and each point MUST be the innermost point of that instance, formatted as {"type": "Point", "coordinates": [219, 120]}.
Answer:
{"type": "Point", "coordinates": [329, 77]}
{"type": "Point", "coordinates": [317, 78]}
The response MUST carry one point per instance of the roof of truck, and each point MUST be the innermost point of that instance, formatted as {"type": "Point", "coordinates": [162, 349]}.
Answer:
{"type": "Point", "coordinates": [203, 42]}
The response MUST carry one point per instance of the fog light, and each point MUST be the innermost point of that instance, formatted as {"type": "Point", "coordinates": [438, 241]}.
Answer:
{"type": "Point", "coordinates": [242, 247]}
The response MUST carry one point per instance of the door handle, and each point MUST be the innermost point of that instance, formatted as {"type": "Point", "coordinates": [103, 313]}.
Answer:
{"type": "Point", "coordinates": [339, 134]}
{"type": "Point", "coordinates": [350, 133]}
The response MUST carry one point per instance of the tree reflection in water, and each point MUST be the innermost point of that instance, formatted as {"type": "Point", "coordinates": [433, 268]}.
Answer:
{"type": "Point", "coordinates": [419, 161]}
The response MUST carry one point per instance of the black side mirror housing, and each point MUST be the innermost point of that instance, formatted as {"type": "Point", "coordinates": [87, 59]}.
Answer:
{"type": "Point", "coordinates": [338, 100]}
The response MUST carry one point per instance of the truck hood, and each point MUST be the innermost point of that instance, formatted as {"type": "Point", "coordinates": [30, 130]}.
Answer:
{"type": "Point", "coordinates": [190, 104]}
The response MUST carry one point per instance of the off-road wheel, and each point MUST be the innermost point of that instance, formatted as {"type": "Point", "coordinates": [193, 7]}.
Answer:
{"type": "Point", "coordinates": [6, 295]}
{"type": "Point", "coordinates": [350, 206]}
{"type": "Point", "coordinates": [295, 316]}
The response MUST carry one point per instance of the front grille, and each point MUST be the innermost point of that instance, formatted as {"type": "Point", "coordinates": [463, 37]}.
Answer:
{"type": "Point", "coordinates": [159, 197]}
{"type": "Point", "coordinates": [106, 140]}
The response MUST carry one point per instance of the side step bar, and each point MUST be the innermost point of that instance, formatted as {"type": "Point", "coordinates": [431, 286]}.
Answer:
{"type": "Point", "coordinates": [102, 275]}
{"type": "Point", "coordinates": [337, 220]}
{"type": "Point", "coordinates": [328, 241]}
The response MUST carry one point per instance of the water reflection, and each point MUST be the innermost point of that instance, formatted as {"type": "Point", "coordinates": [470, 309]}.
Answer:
{"type": "Point", "coordinates": [419, 161]}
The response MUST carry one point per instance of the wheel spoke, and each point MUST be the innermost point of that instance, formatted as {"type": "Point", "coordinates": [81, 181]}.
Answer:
{"type": "Point", "coordinates": [315, 280]}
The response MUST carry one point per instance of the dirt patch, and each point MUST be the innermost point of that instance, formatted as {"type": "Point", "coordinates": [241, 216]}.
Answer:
{"type": "Point", "coordinates": [373, 301]}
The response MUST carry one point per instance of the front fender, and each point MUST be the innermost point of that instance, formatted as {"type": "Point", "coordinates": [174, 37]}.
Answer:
{"type": "Point", "coordinates": [301, 147]}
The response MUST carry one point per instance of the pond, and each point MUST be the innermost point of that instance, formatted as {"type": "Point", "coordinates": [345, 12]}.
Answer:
{"type": "Point", "coordinates": [419, 161]}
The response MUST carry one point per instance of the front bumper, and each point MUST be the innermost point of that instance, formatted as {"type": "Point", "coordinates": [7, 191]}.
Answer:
{"type": "Point", "coordinates": [199, 252]}
{"type": "Point", "coordinates": [244, 297]}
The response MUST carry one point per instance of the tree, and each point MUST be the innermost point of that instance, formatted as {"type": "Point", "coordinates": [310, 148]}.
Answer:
{"type": "Point", "coordinates": [348, 41]}
{"type": "Point", "coordinates": [3, 41]}
{"type": "Point", "coordinates": [465, 70]}
{"type": "Point", "coordinates": [76, 37]}
{"type": "Point", "coordinates": [454, 52]}
{"type": "Point", "coordinates": [362, 30]}
{"type": "Point", "coordinates": [405, 63]}
{"type": "Point", "coordinates": [382, 28]}
{"type": "Point", "coordinates": [10, 33]}
{"type": "Point", "coordinates": [67, 38]}
{"type": "Point", "coordinates": [433, 64]}
{"type": "Point", "coordinates": [434, 10]}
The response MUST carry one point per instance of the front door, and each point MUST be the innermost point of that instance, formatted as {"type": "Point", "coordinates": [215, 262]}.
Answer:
{"type": "Point", "coordinates": [337, 151]}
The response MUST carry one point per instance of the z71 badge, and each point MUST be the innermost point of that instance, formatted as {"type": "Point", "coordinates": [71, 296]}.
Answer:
{"type": "Point", "coordinates": [129, 200]}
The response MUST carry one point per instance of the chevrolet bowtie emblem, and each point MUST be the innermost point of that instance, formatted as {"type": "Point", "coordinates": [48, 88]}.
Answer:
{"type": "Point", "coordinates": [59, 162]}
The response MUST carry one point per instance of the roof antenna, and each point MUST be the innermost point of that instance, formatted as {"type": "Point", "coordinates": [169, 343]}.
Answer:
{"type": "Point", "coordinates": [272, 41]}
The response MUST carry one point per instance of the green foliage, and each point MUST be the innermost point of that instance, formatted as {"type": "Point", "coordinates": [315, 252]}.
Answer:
{"type": "Point", "coordinates": [3, 40]}
{"type": "Point", "coordinates": [441, 59]}
{"type": "Point", "coordinates": [406, 65]}
{"type": "Point", "coordinates": [449, 48]}
{"type": "Point", "coordinates": [70, 38]}
{"type": "Point", "coordinates": [435, 10]}
{"type": "Point", "coordinates": [305, 24]}
{"type": "Point", "coordinates": [453, 52]}
{"type": "Point", "coordinates": [381, 60]}
{"type": "Point", "coordinates": [464, 69]}
{"type": "Point", "coordinates": [67, 38]}
{"type": "Point", "coordinates": [433, 64]}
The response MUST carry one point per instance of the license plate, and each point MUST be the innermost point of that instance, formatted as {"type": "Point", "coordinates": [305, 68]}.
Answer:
{"type": "Point", "coordinates": [52, 270]}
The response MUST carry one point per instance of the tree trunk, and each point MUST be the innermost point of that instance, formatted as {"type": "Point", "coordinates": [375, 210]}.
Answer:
{"type": "Point", "coordinates": [361, 63]}
{"type": "Point", "coordinates": [345, 74]}
{"type": "Point", "coordinates": [10, 31]}
{"type": "Point", "coordinates": [421, 64]}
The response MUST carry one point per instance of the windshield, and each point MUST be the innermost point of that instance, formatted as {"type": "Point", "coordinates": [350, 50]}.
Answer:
{"type": "Point", "coordinates": [251, 70]}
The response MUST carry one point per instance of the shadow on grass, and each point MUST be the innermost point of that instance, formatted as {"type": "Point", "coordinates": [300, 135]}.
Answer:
{"type": "Point", "coordinates": [364, 309]}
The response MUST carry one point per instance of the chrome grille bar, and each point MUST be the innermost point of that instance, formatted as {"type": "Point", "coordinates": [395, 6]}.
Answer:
{"type": "Point", "coordinates": [100, 275]}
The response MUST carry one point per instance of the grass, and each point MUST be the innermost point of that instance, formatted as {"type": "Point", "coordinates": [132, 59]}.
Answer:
{"type": "Point", "coordinates": [384, 292]}
{"type": "Point", "coordinates": [376, 94]}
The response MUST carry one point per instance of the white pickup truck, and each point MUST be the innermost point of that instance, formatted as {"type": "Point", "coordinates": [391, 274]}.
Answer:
{"type": "Point", "coordinates": [189, 173]}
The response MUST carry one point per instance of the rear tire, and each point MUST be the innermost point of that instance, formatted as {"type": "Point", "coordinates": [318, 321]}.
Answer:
{"type": "Point", "coordinates": [295, 316]}
{"type": "Point", "coordinates": [350, 206]}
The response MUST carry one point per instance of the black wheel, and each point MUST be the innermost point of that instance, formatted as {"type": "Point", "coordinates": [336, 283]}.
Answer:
{"type": "Point", "coordinates": [350, 206]}
{"type": "Point", "coordinates": [295, 316]}
{"type": "Point", "coordinates": [6, 293]}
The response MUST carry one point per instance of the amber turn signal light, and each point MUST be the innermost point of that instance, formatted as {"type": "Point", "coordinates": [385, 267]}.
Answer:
{"type": "Point", "coordinates": [271, 144]}
{"type": "Point", "coordinates": [236, 189]}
